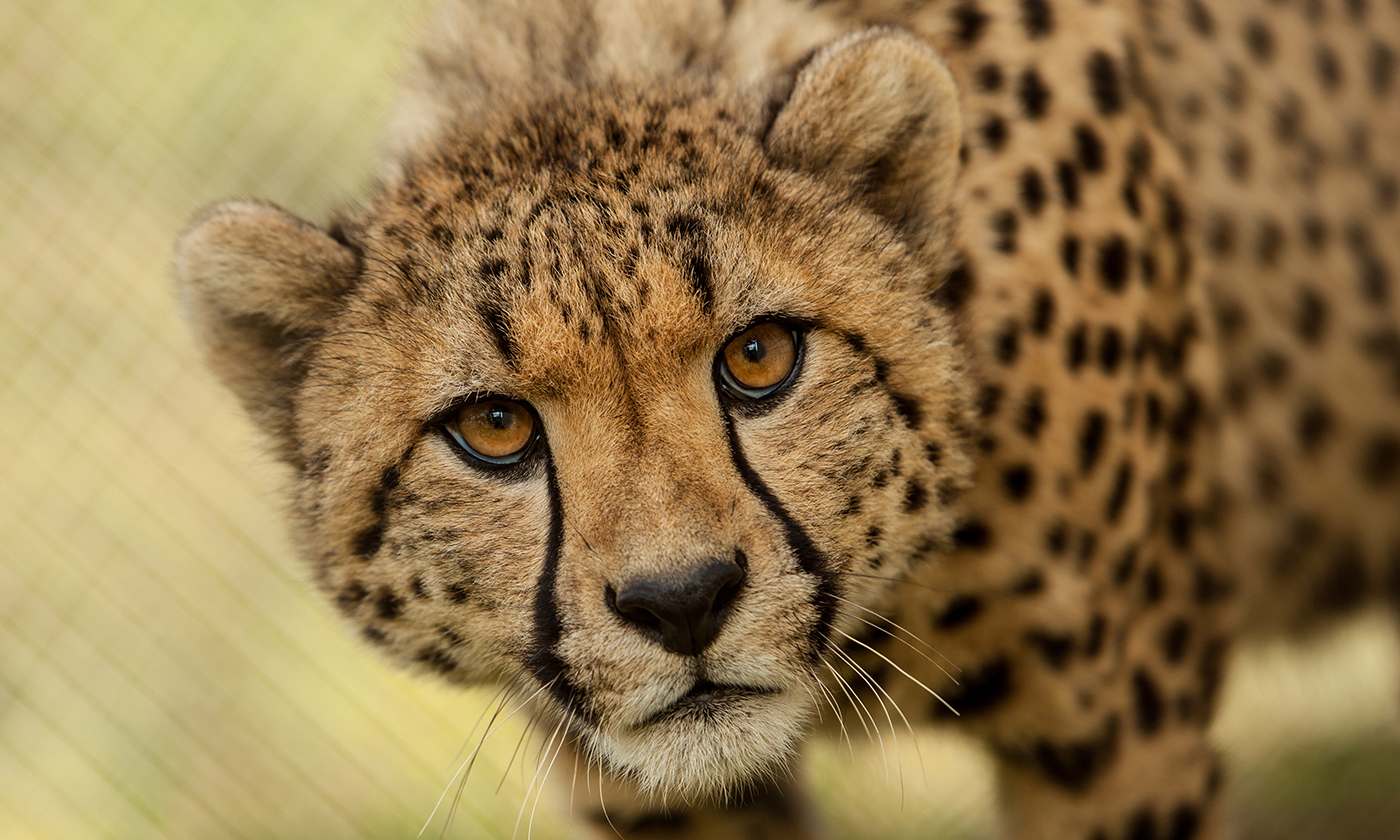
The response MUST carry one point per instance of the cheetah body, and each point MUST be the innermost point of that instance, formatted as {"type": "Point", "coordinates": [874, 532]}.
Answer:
{"type": "Point", "coordinates": [1099, 369]}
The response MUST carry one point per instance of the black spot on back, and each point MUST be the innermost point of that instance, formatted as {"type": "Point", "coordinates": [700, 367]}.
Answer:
{"type": "Point", "coordinates": [1104, 83]}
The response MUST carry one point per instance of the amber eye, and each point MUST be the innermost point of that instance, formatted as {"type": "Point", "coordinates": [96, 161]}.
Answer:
{"type": "Point", "coordinates": [757, 361]}
{"type": "Point", "coordinates": [494, 430]}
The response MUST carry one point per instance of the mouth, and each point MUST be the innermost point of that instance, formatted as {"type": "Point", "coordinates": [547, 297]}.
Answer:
{"type": "Point", "coordinates": [707, 701]}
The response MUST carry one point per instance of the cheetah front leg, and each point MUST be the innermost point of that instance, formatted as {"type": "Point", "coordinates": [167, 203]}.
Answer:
{"type": "Point", "coordinates": [776, 810]}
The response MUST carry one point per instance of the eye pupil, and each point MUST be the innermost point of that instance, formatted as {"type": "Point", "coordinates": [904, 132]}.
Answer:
{"type": "Point", "coordinates": [754, 351]}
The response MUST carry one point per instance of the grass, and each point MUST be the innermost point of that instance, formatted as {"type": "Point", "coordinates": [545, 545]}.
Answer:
{"type": "Point", "coordinates": [165, 670]}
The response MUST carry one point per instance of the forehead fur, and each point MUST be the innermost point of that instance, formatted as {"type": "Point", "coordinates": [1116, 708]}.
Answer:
{"type": "Point", "coordinates": [607, 235]}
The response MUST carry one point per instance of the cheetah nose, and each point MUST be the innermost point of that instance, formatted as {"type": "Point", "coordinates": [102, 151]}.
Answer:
{"type": "Point", "coordinates": [683, 613]}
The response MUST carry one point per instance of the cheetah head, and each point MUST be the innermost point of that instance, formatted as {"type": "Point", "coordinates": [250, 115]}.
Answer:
{"type": "Point", "coordinates": [634, 399]}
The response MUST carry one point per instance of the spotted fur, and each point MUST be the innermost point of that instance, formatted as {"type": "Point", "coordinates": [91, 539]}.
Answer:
{"type": "Point", "coordinates": [1099, 369]}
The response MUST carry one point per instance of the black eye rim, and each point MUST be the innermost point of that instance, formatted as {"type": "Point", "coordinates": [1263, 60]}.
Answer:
{"type": "Point", "coordinates": [476, 459]}
{"type": "Point", "coordinates": [739, 393]}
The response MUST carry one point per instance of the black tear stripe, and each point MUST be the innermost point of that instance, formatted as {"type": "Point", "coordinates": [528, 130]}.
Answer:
{"type": "Point", "coordinates": [809, 558]}
{"type": "Point", "coordinates": [544, 662]}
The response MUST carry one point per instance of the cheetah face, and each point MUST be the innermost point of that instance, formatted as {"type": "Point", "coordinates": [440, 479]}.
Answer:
{"type": "Point", "coordinates": [608, 409]}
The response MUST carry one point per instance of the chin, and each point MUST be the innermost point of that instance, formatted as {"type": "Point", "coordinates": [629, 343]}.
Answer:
{"type": "Point", "coordinates": [709, 745]}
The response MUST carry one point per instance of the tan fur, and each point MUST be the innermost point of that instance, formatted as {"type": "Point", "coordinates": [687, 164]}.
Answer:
{"type": "Point", "coordinates": [1083, 395]}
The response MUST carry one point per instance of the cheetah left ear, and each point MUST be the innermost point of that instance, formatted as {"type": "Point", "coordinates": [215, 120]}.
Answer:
{"type": "Point", "coordinates": [878, 112]}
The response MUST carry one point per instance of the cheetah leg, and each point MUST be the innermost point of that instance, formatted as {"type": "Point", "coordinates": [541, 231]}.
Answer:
{"type": "Point", "coordinates": [1116, 785]}
{"type": "Point", "coordinates": [778, 810]}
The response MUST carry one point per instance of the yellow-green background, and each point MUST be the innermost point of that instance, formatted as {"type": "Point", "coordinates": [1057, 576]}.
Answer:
{"type": "Point", "coordinates": [164, 668]}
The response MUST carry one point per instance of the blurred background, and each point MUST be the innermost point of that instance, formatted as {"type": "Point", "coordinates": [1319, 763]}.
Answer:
{"type": "Point", "coordinates": [165, 670]}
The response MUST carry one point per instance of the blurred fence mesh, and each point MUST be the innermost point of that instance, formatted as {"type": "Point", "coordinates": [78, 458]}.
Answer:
{"type": "Point", "coordinates": [165, 671]}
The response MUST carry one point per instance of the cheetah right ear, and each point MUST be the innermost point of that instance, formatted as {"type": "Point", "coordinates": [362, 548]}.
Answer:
{"type": "Point", "coordinates": [256, 284]}
{"type": "Point", "coordinates": [878, 112]}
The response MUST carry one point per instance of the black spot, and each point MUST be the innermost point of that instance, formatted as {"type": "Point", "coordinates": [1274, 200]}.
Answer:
{"type": "Point", "coordinates": [1054, 648]}
{"type": "Point", "coordinates": [351, 596]}
{"type": "Point", "coordinates": [1329, 70]}
{"type": "Point", "coordinates": [981, 690]}
{"type": "Point", "coordinates": [1057, 537]}
{"type": "Point", "coordinates": [1032, 584]}
{"type": "Point", "coordinates": [1069, 254]}
{"type": "Point", "coordinates": [1110, 349]}
{"type": "Point", "coordinates": [1075, 765]}
{"type": "Point", "coordinates": [872, 536]}
{"type": "Point", "coordinates": [1038, 18]}
{"type": "Point", "coordinates": [1004, 225]}
{"type": "Point", "coordinates": [972, 534]}
{"type": "Point", "coordinates": [909, 409]}
{"type": "Point", "coordinates": [1311, 318]}
{"type": "Point", "coordinates": [1126, 565]}
{"type": "Point", "coordinates": [368, 541]}
{"type": "Point", "coordinates": [1274, 368]}
{"type": "Point", "coordinates": [1007, 343]}
{"type": "Point", "coordinates": [969, 22]}
{"type": "Point", "coordinates": [1033, 413]}
{"type": "Point", "coordinates": [388, 605]}
{"type": "Point", "coordinates": [1269, 244]}
{"type": "Point", "coordinates": [1118, 496]}
{"type": "Point", "coordinates": [1237, 159]}
{"type": "Point", "coordinates": [1147, 703]}
{"type": "Point", "coordinates": [988, 78]}
{"type": "Point", "coordinates": [959, 611]}
{"type": "Point", "coordinates": [1113, 263]}
{"type": "Point", "coordinates": [1141, 825]}
{"type": "Point", "coordinates": [1314, 424]}
{"type": "Point", "coordinates": [1098, 632]}
{"type": "Point", "coordinates": [1104, 84]}
{"type": "Point", "coordinates": [1033, 93]}
{"type": "Point", "coordinates": [1387, 191]}
{"type": "Point", "coordinates": [1199, 19]}
{"type": "Point", "coordinates": [1175, 638]}
{"type": "Point", "coordinates": [933, 451]}
{"type": "Point", "coordinates": [416, 587]}
{"type": "Point", "coordinates": [456, 593]}
{"type": "Point", "coordinates": [374, 636]}
{"type": "Point", "coordinates": [994, 132]}
{"type": "Point", "coordinates": [1259, 40]}
{"type": "Point", "coordinates": [1088, 149]}
{"type": "Point", "coordinates": [956, 287]}
{"type": "Point", "coordinates": [915, 497]}
{"type": "Point", "coordinates": [1185, 823]}
{"type": "Point", "coordinates": [1153, 588]}
{"type": "Point", "coordinates": [493, 315]}
{"type": "Point", "coordinates": [1131, 199]}
{"type": "Point", "coordinates": [1033, 192]}
{"type": "Point", "coordinates": [1019, 481]}
{"type": "Point", "coordinates": [1076, 347]}
{"type": "Point", "coordinates": [1381, 69]}
{"type": "Point", "coordinates": [1042, 312]}
{"type": "Point", "coordinates": [1180, 527]}
{"type": "Point", "coordinates": [1380, 459]}
{"type": "Point", "coordinates": [1091, 440]}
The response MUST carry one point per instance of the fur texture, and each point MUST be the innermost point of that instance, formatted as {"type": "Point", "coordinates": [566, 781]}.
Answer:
{"type": "Point", "coordinates": [1098, 368]}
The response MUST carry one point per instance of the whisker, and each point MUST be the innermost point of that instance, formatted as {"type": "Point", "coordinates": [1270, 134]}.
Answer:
{"type": "Point", "coordinates": [876, 691]}
{"type": "Point", "coordinates": [912, 635]}
{"type": "Point", "coordinates": [539, 765]}
{"type": "Point", "coordinates": [466, 767]}
{"type": "Point", "coordinates": [534, 718]}
{"type": "Point", "coordinates": [895, 665]}
{"type": "Point", "coordinates": [880, 739]}
{"type": "Point", "coordinates": [907, 725]}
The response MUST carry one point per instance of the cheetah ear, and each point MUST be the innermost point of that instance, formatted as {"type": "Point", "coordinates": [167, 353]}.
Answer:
{"type": "Point", "coordinates": [878, 112]}
{"type": "Point", "coordinates": [256, 283]}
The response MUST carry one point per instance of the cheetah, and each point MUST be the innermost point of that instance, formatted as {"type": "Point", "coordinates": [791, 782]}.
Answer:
{"type": "Point", "coordinates": [696, 367]}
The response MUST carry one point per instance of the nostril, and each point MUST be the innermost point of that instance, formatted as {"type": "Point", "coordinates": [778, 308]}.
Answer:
{"type": "Point", "coordinates": [683, 613]}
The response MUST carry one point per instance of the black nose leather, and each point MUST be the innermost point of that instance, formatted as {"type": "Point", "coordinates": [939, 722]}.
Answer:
{"type": "Point", "coordinates": [685, 612]}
